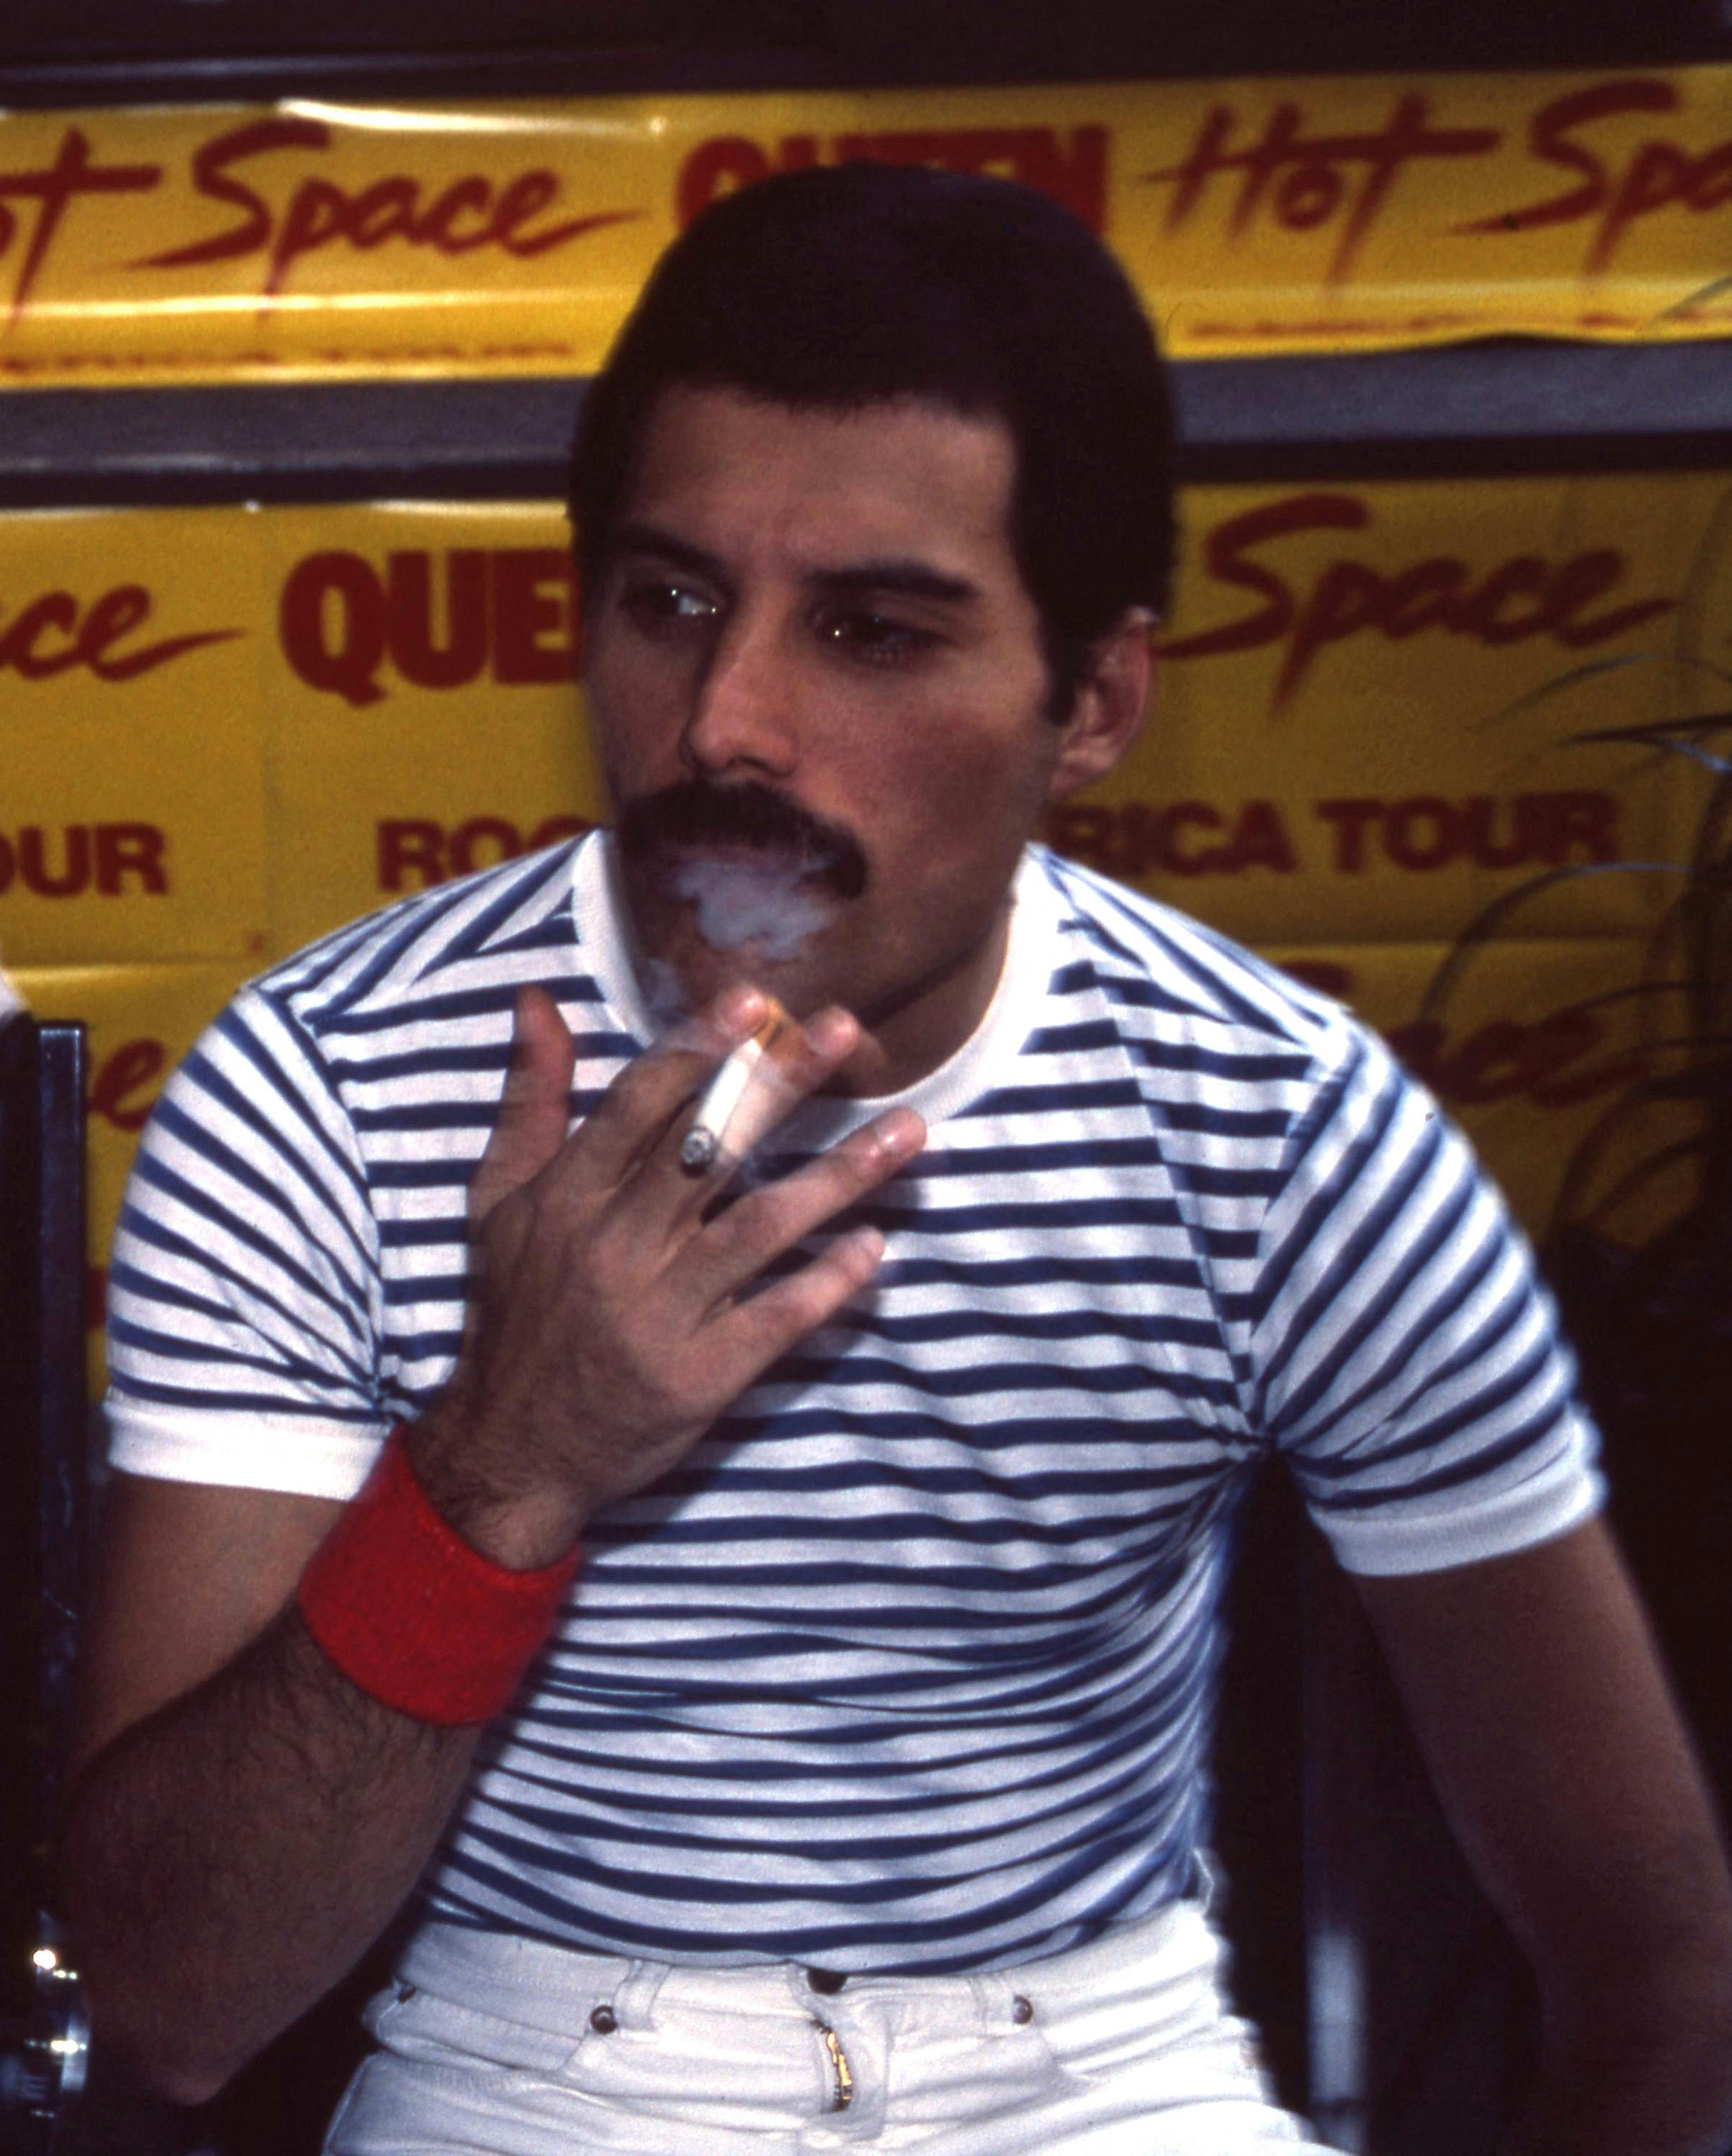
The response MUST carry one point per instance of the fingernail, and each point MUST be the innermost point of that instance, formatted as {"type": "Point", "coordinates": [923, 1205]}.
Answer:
{"type": "Point", "coordinates": [832, 1033]}
{"type": "Point", "coordinates": [741, 1009]}
{"type": "Point", "coordinates": [901, 1131]}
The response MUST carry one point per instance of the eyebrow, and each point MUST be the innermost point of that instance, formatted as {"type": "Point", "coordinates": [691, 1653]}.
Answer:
{"type": "Point", "coordinates": [903, 575]}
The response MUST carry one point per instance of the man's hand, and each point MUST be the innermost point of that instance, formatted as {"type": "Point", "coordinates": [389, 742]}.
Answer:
{"type": "Point", "coordinates": [617, 1309]}
{"type": "Point", "coordinates": [245, 1818]}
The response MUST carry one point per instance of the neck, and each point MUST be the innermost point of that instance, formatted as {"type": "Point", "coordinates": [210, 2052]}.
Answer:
{"type": "Point", "coordinates": [906, 1036]}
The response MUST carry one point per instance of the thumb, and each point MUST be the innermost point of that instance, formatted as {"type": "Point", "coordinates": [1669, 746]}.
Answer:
{"type": "Point", "coordinates": [533, 1110]}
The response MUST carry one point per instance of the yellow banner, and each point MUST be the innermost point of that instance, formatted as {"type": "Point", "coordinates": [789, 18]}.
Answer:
{"type": "Point", "coordinates": [1317, 215]}
{"type": "Point", "coordinates": [1361, 730]}
{"type": "Point", "coordinates": [133, 766]}
{"type": "Point", "coordinates": [229, 730]}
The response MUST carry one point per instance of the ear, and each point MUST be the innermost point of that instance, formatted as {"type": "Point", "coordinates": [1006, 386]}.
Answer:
{"type": "Point", "coordinates": [1110, 706]}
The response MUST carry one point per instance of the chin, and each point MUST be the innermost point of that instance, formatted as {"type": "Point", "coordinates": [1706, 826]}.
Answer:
{"type": "Point", "coordinates": [683, 974]}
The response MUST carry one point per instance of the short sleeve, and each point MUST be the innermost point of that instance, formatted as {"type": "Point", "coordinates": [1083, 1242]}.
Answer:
{"type": "Point", "coordinates": [1406, 1355]}
{"type": "Point", "coordinates": [244, 1290]}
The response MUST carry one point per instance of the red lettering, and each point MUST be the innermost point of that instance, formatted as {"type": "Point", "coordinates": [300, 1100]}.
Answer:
{"type": "Point", "coordinates": [1345, 598]}
{"type": "Point", "coordinates": [534, 615]}
{"type": "Point", "coordinates": [1260, 839]}
{"type": "Point", "coordinates": [517, 605]}
{"type": "Point", "coordinates": [384, 211]}
{"type": "Point", "coordinates": [331, 623]}
{"type": "Point", "coordinates": [130, 849]}
{"type": "Point", "coordinates": [1549, 139]}
{"type": "Point", "coordinates": [60, 865]}
{"type": "Point", "coordinates": [1197, 815]}
{"type": "Point", "coordinates": [1587, 822]}
{"type": "Point", "coordinates": [119, 1075]}
{"type": "Point", "coordinates": [1349, 819]}
{"type": "Point", "coordinates": [1072, 167]}
{"type": "Point", "coordinates": [53, 190]}
{"type": "Point", "coordinates": [56, 610]}
{"type": "Point", "coordinates": [526, 197]}
{"type": "Point", "coordinates": [414, 852]}
{"type": "Point", "coordinates": [482, 841]}
{"type": "Point", "coordinates": [410, 846]}
{"type": "Point", "coordinates": [315, 217]}
{"type": "Point", "coordinates": [212, 178]}
{"type": "Point", "coordinates": [1585, 578]}
{"type": "Point", "coordinates": [1305, 172]}
{"type": "Point", "coordinates": [1659, 175]}
{"type": "Point", "coordinates": [1424, 832]}
{"type": "Point", "coordinates": [1422, 596]}
{"type": "Point", "coordinates": [52, 634]}
{"type": "Point", "coordinates": [1349, 597]}
{"type": "Point", "coordinates": [419, 656]}
{"type": "Point", "coordinates": [1134, 839]}
{"type": "Point", "coordinates": [319, 213]}
{"type": "Point", "coordinates": [1081, 829]}
{"type": "Point", "coordinates": [471, 195]}
{"type": "Point", "coordinates": [1479, 817]}
{"type": "Point", "coordinates": [35, 872]}
{"type": "Point", "coordinates": [1525, 575]}
{"type": "Point", "coordinates": [114, 618]}
{"type": "Point", "coordinates": [1224, 559]}
{"type": "Point", "coordinates": [717, 168]}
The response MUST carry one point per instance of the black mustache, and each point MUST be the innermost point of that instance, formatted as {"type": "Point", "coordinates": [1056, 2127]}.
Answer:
{"type": "Point", "coordinates": [691, 813]}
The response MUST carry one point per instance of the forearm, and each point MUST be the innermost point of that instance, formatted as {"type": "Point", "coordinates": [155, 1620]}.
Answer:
{"type": "Point", "coordinates": [1648, 2074]}
{"type": "Point", "coordinates": [231, 1856]}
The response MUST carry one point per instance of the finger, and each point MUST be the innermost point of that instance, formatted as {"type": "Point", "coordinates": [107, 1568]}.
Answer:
{"type": "Point", "coordinates": [534, 1107]}
{"type": "Point", "coordinates": [735, 1248]}
{"type": "Point", "coordinates": [750, 1094]}
{"type": "Point", "coordinates": [753, 1334]}
{"type": "Point", "coordinates": [646, 1108]}
{"type": "Point", "coordinates": [644, 1097]}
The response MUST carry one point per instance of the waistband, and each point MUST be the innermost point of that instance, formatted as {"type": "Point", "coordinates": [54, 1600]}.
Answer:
{"type": "Point", "coordinates": [555, 1989]}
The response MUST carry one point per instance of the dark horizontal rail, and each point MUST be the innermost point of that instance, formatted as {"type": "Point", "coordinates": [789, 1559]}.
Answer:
{"type": "Point", "coordinates": [1501, 406]}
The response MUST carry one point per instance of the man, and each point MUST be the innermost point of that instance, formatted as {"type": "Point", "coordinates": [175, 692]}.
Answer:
{"type": "Point", "coordinates": [853, 1791]}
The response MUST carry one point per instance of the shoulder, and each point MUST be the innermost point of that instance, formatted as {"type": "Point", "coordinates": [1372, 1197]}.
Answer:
{"type": "Point", "coordinates": [504, 920]}
{"type": "Point", "coordinates": [1185, 996]}
{"type": "Point", "coordinates": [424, 986]}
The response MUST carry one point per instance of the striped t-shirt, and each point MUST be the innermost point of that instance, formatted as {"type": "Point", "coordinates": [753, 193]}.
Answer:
{"type": "Point", "coordinates": [909, 1664]}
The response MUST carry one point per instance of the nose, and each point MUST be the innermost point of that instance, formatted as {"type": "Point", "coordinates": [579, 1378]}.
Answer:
{"type": "Point", "coordinates": [744, 712]}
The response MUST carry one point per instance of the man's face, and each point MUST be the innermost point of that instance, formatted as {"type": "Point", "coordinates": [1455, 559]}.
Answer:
{"type": "Point", "coordinates": [817, 689]}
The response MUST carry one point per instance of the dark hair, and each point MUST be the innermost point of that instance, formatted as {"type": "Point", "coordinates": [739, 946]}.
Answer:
{"type": "Point", "coordinates": [855, 284]}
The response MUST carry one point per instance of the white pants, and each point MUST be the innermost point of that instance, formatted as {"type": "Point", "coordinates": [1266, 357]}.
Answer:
{"type": "Point", "coordinates": [501, 2045]}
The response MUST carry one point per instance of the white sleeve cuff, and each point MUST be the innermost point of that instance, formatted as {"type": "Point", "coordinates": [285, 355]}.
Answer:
{"type": "Point", "coordinates": [1498, 1524]}
{"type": "Point", "coordinates": [303, 1456]}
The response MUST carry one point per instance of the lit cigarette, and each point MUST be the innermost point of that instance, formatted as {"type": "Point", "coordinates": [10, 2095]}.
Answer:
{"type": "Point", "coordinates": [745, 1098]}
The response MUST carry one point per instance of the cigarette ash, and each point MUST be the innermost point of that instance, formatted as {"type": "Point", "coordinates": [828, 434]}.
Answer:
{"type": "Point", "coordinates": [740, 902]}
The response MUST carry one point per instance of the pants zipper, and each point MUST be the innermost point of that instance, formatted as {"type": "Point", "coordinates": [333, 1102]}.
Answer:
{"type": "Point", "coordinates": [842, 2073]}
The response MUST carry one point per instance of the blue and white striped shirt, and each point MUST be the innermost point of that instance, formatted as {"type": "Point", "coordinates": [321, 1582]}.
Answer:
{"type": "Point", "coordinates": [909, 1664]}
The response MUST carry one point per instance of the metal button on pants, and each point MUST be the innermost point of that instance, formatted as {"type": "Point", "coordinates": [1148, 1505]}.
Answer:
{"type": "Point", "coordinates": [1123, 2048]}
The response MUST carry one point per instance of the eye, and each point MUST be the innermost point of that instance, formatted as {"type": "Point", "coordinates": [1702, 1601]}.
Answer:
{"type": "Point", "coordinates": [876, 639]}
{"type": "Point", "coordinates": [662, 603]}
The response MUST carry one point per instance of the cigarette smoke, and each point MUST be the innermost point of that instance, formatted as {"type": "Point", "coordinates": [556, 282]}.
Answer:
{"type": "Point", "coordinates": [742, 902]}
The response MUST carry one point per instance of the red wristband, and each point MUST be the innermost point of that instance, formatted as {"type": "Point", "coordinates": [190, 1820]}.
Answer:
{"type": "Point", "coordinates": [413, 1615]}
